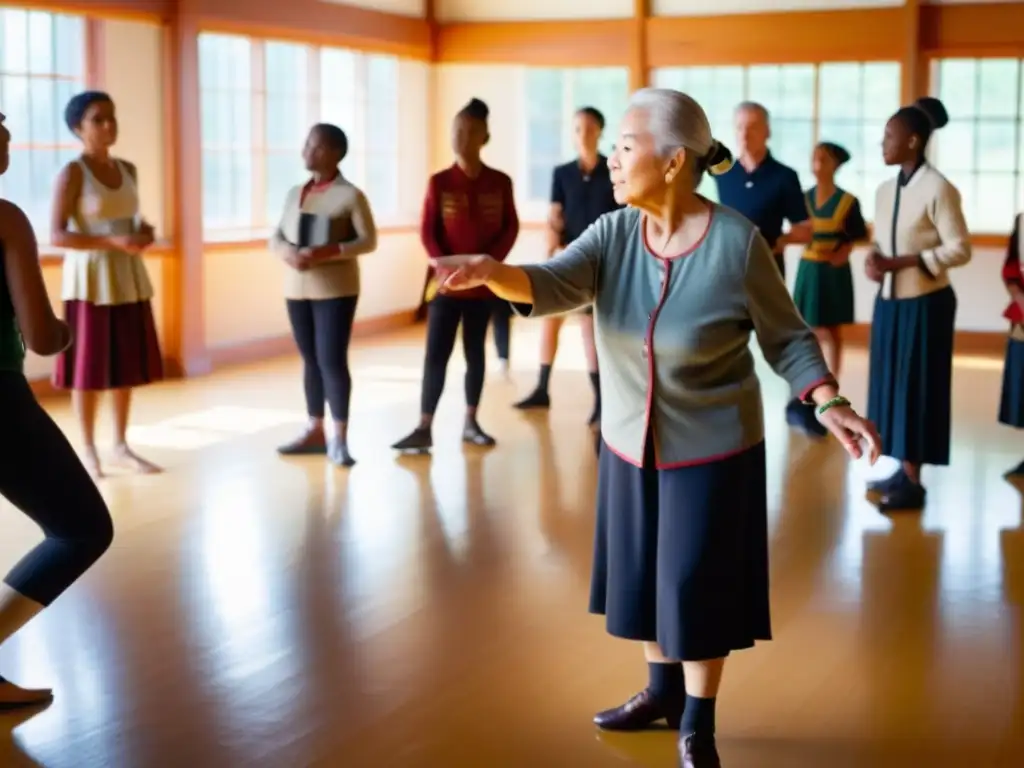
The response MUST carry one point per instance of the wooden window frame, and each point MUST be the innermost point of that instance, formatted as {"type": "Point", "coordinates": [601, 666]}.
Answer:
{"type": "Point", "coordinates": [258, 232]}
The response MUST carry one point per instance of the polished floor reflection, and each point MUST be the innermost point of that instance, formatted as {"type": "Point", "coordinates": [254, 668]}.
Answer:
{"type": "Point", "coordinates": [265, 613]}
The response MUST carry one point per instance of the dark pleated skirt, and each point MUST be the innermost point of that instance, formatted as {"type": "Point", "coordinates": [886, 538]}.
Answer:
{"type": "Point", "coordinates": [1011, 404]}
{"type": "Point", "coordinates": [681, 555]}
{"type": "Point", "coordinates": [115, 347]}
{"type": "Point", "coordinates": [910, 379]}
{"type": "Point", "coordinates": [824, 294]}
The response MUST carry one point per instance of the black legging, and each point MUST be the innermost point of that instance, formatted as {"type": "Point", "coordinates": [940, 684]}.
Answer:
{"type": "Point", "coordinates": [443, 319]}
{"type": "Point", "coordinates": [502, 328]}
{"type": "Point", "coordinates": [322, 330]}
{"type": "Point", "coordinates": [41, 475]}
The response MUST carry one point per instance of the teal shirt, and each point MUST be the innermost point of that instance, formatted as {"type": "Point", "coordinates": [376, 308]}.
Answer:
{"type": "Point", "coordinates": [673, 335]}
{"type": "Point", "coordinates": [12, 347]}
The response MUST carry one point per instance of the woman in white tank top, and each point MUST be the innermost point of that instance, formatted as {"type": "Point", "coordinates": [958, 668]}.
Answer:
{"type": "Point", "coordinates": [107, 293]}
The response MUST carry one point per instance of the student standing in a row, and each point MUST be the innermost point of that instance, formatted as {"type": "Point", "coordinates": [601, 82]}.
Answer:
{"type": "Point", "coordinates": [920, 234]}
{"type": "Point", "coordinates": [769, 194]}
{"type": "Point", "coordinates": [581, 192]}
{"type": "Point", "coordinates": [469, 210]}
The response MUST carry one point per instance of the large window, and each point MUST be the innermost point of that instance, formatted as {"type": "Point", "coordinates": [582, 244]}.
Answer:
{"type": "Point", "coordinates": [844, 102]}
{"type": "Point", "coordinates": [982, 148]}
{"type": "Point", "coordinates": [552, 97]}
{"type": "Point", "coordinates": [260, 99]}
{"type": "Point", "coordinates": [42, 65]}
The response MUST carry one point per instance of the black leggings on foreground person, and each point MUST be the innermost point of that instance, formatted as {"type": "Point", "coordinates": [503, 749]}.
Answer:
{"type": "Point", "coordinates": [41, 475]}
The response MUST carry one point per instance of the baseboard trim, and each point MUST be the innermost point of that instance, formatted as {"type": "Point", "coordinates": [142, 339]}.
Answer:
{"type": "Point", "coordinates": [970, 343]}
{"type": "Point", "coordinates": [255, 350]}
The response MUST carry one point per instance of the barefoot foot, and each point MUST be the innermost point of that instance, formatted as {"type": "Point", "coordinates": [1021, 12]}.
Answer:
{"type": "Point", "coordinates": [13, 696]}
{"type": "Point", "coordinates": [91, 460]}
{"type": "Point", "coordinates": [127, 458]}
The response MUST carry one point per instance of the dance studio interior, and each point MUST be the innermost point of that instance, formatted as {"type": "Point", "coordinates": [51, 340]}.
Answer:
{"type": "Point", "coordinates": [351, 605]}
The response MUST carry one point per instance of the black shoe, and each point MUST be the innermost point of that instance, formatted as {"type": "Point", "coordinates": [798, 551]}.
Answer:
{"type": "Point", "coordinates": [696, 751]}
{"type": "Point", "coordinates": [539, 398]}
{"type": "Point", "coordinates": [906, 498]}
{"type": "Point", "coordinates": [640, 713]}
{"type": "Point", "coordinates": [889, 484]}
{"type": "Point", "coordinates": [1017, 473]}
{"type": "Point", "coordinates": [420, 440]}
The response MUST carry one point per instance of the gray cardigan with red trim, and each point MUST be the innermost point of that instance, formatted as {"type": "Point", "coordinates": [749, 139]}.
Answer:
{"type": "Point", "coordinates": [673, 335]}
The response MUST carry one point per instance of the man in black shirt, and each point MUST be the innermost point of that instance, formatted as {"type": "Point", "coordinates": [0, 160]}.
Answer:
{"type": "Point", "coordinates": [581, 192]}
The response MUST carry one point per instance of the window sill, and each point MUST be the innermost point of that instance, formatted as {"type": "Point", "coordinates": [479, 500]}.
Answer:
{"type": "Point", "coordinates": [54, 257]}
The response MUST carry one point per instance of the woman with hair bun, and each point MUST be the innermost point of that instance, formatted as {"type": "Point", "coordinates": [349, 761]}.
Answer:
{"type": "Point", "coordinates": [920, 234]}
{"type": "Point", "coordinates": [824, 281]}
{"type": "Point", "coordinates": [107, 293]}
{"type": "Point", "coordinates": [470, 210]}
{"type": "Point", "coordinates": [678, 284]}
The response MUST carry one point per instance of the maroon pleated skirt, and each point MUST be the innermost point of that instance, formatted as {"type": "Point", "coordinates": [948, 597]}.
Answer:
{"type": "Point", "coordinates": [114, 347]}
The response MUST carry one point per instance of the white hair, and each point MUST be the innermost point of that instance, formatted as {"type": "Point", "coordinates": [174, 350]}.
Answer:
{"type": "Point", "coordinates": [676, 120]}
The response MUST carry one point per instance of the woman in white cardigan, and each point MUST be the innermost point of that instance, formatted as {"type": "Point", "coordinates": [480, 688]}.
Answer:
{"type": "Point", "coordinates": [920, 234]}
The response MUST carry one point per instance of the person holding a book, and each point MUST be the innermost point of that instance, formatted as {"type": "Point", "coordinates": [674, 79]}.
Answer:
{"type": "Point", "coordinates": [325, 227]}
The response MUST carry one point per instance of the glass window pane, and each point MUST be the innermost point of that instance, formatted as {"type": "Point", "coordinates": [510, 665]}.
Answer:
{"type": "Point", "coordinates": [840, 89]}
{"type": "Point", "coordinates": [14, 49]}
{"type": "Point", "coordinates": [954, 147]}
{"type": "Point", "coordinates": [997, 145]}
{"type": "Point", "coordinates": [958, 81]}
{"type": "Point", "coordinates": [998, 83]}
{"type": "Point", "coordinates": [40, 33]}
{"type": "Point", "coordinates": [995, 202]}
{"type": "Point", "coordinates": [35, 85]}
{"type": "Point", "coordinates": [69, 46]}
{"type": "Point", "coordinates": [881, 92]}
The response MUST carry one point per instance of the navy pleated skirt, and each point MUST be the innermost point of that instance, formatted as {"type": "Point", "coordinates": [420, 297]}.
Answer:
{"type": "Point", "coordinates": [681, 555]}
{"type": "Point", "coordinates": [911, 376]}
{"type": "Point", "coordinates": [1011, 404]}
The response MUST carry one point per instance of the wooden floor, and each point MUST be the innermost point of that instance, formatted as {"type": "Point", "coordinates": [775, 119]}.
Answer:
{"type": "Point", "coordinates": [258, 612]}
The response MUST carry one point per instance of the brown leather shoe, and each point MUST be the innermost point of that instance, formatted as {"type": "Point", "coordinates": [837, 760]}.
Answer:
{"type": "Point", "coordinates": [640, 713]}
{"type": "Point", "coordinates": [696, 752]}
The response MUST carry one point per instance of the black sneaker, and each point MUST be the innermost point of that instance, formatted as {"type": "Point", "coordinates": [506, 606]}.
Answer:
{"type": "Point", "coordinates": [473, 435]}
{"type": "Point", "coordinates": [419, 440]}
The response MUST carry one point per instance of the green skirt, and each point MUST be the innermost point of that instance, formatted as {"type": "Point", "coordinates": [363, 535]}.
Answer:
{"type": "Point", "coordinates": [824, 293]}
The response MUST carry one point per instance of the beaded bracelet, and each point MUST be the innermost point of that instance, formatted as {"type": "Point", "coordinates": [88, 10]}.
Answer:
{"type": "Point", "coordinates": [835, 402]}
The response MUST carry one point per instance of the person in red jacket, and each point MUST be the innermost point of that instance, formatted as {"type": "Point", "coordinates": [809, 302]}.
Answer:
{"type": "Point", "coordinates": [469, 210]}
{"type": "Point", "coordinates": [1011, 405]}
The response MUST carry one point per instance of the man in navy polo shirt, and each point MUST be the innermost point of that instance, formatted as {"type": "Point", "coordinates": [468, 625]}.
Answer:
{"type": "Point", "coordinates": [760, 187]}
{"type": "Point", "coordinates": [581, 192]}
{"type": "Point", "coordinates": [768, 193]}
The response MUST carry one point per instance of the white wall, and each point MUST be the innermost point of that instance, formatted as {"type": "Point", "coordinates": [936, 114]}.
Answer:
{"type": "Point", "coordinates": [531, 10]}
{"type": "Point", "coordinates": [414, 8]}
{"type": "Point", "coordinates": [723, 7]}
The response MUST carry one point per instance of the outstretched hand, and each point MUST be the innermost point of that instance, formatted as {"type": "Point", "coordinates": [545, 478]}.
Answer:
{"type": "Point", "coordinates": [853, 431]}
{"type": "Point", "coordinates": [474, 272]}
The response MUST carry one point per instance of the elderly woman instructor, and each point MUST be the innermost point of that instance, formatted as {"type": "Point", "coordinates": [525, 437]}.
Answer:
{"type": "Point", "coordinates": [678, 284]}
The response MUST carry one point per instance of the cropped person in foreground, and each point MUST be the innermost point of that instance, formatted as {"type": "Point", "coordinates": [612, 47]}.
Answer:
{"type": "Point", "coordinates": [39, 471]}
{"type": "Point", "coordinates": [678, 284]}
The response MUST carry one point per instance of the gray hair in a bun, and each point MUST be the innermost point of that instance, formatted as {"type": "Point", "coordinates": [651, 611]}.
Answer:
{"type": "Point", "coordinates": [676, 120]}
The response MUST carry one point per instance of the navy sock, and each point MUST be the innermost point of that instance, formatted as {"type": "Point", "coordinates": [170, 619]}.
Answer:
{"type": "Point", "coordinates": [698, 717]}
{"type": "Point", "coordinates": [666, 680]}
{"type": "Point", "coordinates": [595, 382]}
{"type": "Point", "coordinates": [545, 377]}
